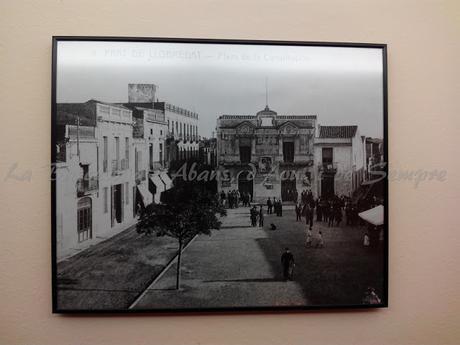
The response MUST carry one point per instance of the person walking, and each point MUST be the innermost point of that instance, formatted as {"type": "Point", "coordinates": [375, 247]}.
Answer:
{"type": "Point", "coordinates": [222, 198]}
{"type": "Point", "coordinates": [308, 213]}
{"type": "Point", "coordinates": [298, 212]}
{"type": "Point", "coordinates": [319, 210]}
{"type": "Point", "coordinates": [269, 206]}
{"type": "Point", "coordinates": [253, 212]}
{"type": "Point", "coordinates": [331, 215]}
{"type": "Point", "coordinates": [338, 213]}
{"type": "Point", "coordinates": [325, 210]}
{"type": "Point", "coordinates": [287, 261]}
{"type": "Point", "coordinates": [261, 217]}
{"type": "Point", "coordinates": [280, 207]}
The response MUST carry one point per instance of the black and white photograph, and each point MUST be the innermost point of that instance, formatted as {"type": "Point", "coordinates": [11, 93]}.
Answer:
{"type": "Point", "coordinates": [218, 175]}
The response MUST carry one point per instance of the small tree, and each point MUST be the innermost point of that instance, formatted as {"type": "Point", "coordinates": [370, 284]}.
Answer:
{"type": "Point", "coordinates": [186, 211]}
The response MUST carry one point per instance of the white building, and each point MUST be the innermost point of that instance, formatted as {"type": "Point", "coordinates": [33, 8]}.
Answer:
{"type": "Point", "coordinates": [150, 130]}
{"type": "Point", "coordinates": [183, 128]}
{"type": "Point", "coordinates": [77, 188]}
{"type": "Point", "coordinates": [182, 124]}
{"type": "Point", "coordinates": [340, 160]}
{"type": "Point", "coordinates": [94, 198]}
{"type": "Point", "coordinates": [111, 161]}
{"type": "Point", "coordinates": [114, 132]}
{"type": "Point", "coordinates": [373, 155]}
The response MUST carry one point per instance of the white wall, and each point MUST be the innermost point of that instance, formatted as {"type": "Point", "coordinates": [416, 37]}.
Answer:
{"type": "Point", "coordinates": [107, 180]}
{"type": "Point", "coordinates": [154, 134]}
{"type": "Point", "coordinates": [67, 175]}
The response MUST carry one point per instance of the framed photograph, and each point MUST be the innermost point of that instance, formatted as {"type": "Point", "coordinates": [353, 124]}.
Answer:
{"type": "Point", "coordinates": [197, 175]}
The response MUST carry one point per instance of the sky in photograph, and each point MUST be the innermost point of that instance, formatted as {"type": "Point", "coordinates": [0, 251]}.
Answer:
{"type": "Point", "coordinates": [341, 86]}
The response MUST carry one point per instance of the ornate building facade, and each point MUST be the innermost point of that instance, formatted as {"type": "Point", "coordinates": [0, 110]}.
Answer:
{"type": "Point", "coordinates": [266, 155]}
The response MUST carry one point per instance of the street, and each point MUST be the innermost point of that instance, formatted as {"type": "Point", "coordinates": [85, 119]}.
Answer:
{"type": "Point", "coordinates": [240, 266]}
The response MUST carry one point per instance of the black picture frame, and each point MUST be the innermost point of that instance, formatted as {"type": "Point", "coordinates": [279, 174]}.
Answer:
{"type": "Point", "coordinates": [385, 269]}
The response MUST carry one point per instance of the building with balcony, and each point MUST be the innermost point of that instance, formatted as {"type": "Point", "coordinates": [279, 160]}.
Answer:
{"type": "Point", "coordinates": [77, 184]}
{"type": "Point", "coordinates": [114, 131]}
{"type": "Point", "coordinates": [95, 184]}
{"type": "Point", "coordinates": [182, 139]}
{"type": "Point", "coordinates": [339, 160]}
{"type": "Point", "coordinates": [112, 160]}
{"type": "Point", "coordinates": [208, 152]}
{"type": "Point", "coordinates": [374, 154]}
{"type": "Point", "coordinates": [149, 135]}
{"type": "Point", "coordinates": [266, 154]}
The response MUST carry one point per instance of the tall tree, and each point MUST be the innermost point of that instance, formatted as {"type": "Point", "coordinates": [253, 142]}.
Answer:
{"type": "Point", "coordinates": [186, 211]}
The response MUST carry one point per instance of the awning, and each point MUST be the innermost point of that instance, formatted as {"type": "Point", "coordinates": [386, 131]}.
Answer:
{"type": "Point", "coordinates": [160, 187]}
{"type": "Point", "coordinates": [147, 197]}
{"type": "Point", "coordinates": [373, 215]}
{"type": "Point", "coordinates": [167, 180]}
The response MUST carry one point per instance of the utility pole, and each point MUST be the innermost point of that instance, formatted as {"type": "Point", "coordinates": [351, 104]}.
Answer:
{"type": "Point", "coordinates": [78, 138]}
{"type": "Point", "coordinates": [266, 91]}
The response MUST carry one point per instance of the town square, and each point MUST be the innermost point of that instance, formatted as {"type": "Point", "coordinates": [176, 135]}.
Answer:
{"type": "Point", "coordinates": [166, 206]}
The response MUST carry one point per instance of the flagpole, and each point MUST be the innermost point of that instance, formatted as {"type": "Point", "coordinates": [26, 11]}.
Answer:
{"type": "Point", "coordinates": [78, 138]}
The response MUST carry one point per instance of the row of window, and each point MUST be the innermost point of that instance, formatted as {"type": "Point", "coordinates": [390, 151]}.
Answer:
{"type": "Point", "coordinates": [186, 129]}
{"type": "Point", "coordinates": [288, 153]}
{"type": "Point", "coordinates": [152, 159]}
{"type": "Point", "coordinates": [105, 153]}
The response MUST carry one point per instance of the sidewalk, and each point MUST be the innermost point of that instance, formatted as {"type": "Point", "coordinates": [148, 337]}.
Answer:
{"type": "Point", "coordinates": [111, 274]}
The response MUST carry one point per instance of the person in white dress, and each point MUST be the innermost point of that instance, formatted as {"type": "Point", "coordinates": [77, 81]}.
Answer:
{"type": "Point", "coordinates": [320, 243]}
{"type": "Point", "coordinates": [308, 237]}
{"type": "Point", "coordinates": [367, 240]}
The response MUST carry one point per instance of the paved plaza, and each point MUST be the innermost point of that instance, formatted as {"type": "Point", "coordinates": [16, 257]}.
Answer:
{"type": "Point", "coordinates": [240, 266]}
{"type": "Point", "coordinates": [237, 265]}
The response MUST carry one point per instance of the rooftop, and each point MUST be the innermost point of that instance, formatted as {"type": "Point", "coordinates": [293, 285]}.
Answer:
{"type": "Point", "coordinates": [337, 131]}
{"type": "Point", "coordinates": [267, 111]}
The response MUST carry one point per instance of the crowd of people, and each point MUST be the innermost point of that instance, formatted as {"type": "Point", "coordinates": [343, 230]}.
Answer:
{"type": "Point", "coordinates": [275, 206]}
{"type": "Point", "coordinates": [331, 210]}
{"type": "Point", "coordinates": [257, 216]}
{"type": "Point", "coordinates": [233, 198]}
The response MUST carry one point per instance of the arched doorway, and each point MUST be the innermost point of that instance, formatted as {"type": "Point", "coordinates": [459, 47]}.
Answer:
{"type": "Point", "coordinates": [245, 183]}
{"type": "Point", "coordinates": [288, 186]}
{"type": "Point", "coordinates": [84, 219]}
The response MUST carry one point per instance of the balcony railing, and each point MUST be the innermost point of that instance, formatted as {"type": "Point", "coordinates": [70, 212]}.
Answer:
{"type": "Point", "coordinates": [119, 165]}
{"type": "Point", "coordinates": [228, 162]}
{"type": "Point", "coordinates": [298, 163]}
{"type": "Point", "coordinates": [87, 185]}
{"type": "Point", "coordinates": [115, 167]}
{"type": "Point", "coordinates": [124, 164]}
{"type": "Point", "coordinates": [140, 176]}
{"type": "Point", "coordinates": [327, 168]}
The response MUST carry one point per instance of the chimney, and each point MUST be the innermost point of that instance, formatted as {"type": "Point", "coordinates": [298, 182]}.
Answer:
{"type": "Point", "coordinates": [141, 93]}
